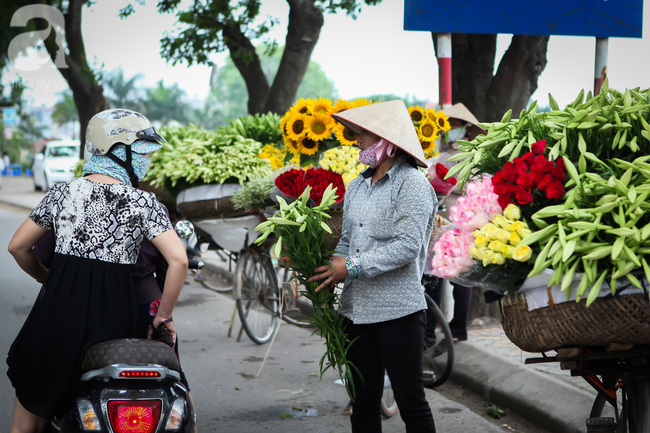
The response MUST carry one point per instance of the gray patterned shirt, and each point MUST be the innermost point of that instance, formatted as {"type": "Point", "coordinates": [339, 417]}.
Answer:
{"type": "Point", "coordinates": [386, 230]}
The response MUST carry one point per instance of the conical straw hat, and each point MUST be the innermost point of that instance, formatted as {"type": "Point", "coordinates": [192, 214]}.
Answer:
{"type": "Point", "coordinates": [459, 111]}
{"type": "Point", "coordinates": [389, 120]}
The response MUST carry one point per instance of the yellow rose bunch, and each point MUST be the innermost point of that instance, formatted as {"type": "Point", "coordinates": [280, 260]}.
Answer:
{"type": "Point", "coordinates": [343, 160]}
{"type": "Point", "coordinates": [499, 239]}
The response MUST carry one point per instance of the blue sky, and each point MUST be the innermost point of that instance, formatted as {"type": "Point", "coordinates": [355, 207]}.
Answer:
{"type": "Point", "coordinates": [370, 55]}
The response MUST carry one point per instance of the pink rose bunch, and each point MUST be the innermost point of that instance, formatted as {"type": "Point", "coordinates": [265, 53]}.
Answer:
{"type": "Point", "coordinates": [451, 253]}
{"type": "Point", "coordinates": [478, 207]}
{"type": "Point", "coordinates": [451, 256]}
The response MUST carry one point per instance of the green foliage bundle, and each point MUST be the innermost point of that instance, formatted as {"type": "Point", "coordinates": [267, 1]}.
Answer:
{"type": "Point", "coordinates": [255, 194]}
{"type": "Point", "coordinates": [195, 156]}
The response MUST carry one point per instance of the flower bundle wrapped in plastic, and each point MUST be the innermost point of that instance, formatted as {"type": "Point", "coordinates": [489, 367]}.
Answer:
{"type": "Point", "coordinates": [437, 178]}
{"type": "Point", "coordinates": [483, 247]}
{"type": "Point", "coordinates": [292, 182]}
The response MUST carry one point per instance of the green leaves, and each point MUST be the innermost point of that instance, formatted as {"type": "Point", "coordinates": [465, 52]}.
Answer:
{"type": "Point", "coordinates": [195, 156]}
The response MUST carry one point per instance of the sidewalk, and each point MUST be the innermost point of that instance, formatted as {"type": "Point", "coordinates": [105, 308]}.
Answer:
{"type": "Point", "coordinates": [487, 363]}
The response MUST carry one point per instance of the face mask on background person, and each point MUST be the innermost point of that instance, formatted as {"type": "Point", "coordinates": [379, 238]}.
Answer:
{"type": "Point", "coordinates": [457, 134]}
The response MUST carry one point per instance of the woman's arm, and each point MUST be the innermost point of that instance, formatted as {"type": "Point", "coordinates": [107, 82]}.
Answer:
{"type": "Point", "coordinates": [21, 247]}
{"type": "Point", "coordinates": [169, 244]}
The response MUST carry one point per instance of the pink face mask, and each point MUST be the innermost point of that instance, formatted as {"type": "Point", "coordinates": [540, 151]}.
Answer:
{"type": "Point", "coordinates": [375, 154]}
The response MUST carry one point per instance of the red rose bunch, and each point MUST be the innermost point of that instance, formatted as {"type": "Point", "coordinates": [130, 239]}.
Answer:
{"type": "Point", "coordinates": [441, 186]}
{"type": "Point", "coordinates": [521, 178]}
{"type": "Point", "coordinates": [319, 179]}
{"type": "Point", "coordinates": [291, 182]}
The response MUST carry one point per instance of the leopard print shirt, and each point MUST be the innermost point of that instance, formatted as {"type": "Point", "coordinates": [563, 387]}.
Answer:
{"type": "Point", "coordinates": [107, 222]}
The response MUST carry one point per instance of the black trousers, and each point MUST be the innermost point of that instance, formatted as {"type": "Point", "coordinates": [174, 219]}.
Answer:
{"type": "Point", "coordinates": [396, 346]}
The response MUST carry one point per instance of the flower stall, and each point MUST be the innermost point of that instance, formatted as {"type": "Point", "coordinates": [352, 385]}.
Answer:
{"type": "Point", "coordinates": [555, 219]}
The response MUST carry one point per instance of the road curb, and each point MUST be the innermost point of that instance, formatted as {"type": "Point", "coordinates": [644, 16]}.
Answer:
{"type": "Point", "coordinates": [541, 398]}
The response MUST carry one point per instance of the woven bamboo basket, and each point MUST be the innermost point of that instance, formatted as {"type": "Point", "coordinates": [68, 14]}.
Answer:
{"type": "Point", "coordinates": [623, 319]}
{"type": "Point", "coordinates": [336, 225]}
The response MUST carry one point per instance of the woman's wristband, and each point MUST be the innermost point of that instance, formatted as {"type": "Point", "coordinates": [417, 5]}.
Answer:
{"type": "Point", "coordinates": [353, 264]}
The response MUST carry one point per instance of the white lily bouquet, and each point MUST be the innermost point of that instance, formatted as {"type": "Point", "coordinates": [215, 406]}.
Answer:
{"type": "Point", "coordinates": [304, 241]}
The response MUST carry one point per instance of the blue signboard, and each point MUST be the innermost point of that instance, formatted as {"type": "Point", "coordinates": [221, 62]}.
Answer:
{"type": "Point", "coordinates": [9, 116]}
{"type": "Point", "coordinates": [599, 18]}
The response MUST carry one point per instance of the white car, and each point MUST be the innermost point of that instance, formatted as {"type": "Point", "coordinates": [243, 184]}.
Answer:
{"type": "Point", "coordinates": [55, 163]}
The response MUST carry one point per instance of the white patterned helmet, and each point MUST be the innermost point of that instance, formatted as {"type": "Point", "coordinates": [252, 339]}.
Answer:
{"type": "Point", "coordinates": [121, 126]}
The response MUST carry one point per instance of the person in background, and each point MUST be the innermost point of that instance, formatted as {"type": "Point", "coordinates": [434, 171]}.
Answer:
{"type": "Point", "coordinates": [6, 162]}
{"type": "Point", "coordinates": [388, 215]}
{"type": "Point", "coordinates": [2, 169]}
{"type": "Point", "coordinates": [464, 126]}
{"type": "Point", "coordinates": [100, 221]}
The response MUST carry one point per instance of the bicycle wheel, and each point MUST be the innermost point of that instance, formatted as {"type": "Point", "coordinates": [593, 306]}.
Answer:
{"type": "Point", "coordinates": [293, 312]}
{"type": "Point", "coordinates": [211, 277]}
{"type": "Point", "coordinates": [439, 358]}
{"type": "Point", "coordinates": [388, 404]}
{"type": "Point", "coordinates": [257, 296]}
{"type": "Point", "coordinates": [639, 405]}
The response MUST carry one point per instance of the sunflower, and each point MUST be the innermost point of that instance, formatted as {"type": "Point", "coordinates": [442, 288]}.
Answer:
{"type": "Point", "coordinates": [417, 113]}
{"type": "Point", "coordinates": [428, 131]}
{"type": "Point", "coordinates": [319, 127]}
{"type": "Point", "coordinates": [340, 105]}
{"type": "Point", "coordinates": [283, 122]}
{"type": "Point", "coordinates": [344, 134]}
{"type": "Point", "coordinates": [292, 146]}
{"type": "Point", "coordinates": [308, 146]}
{"type": "Point", "coordinates": [321, 106]}
{"type": "Point", "coordinates": [302, 106]}
{"type": "Point", "coordinates": [360, 102]}
{"type": "Point", "coordinates": [430, 152]}
{"type": "Point", "coordinates": [442, 121]}
{"type": "Point", "coordinates": [297, 126]}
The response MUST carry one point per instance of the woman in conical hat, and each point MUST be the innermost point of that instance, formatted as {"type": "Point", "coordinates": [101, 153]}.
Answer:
{"type": "Point", "coordinates": [387, 221]}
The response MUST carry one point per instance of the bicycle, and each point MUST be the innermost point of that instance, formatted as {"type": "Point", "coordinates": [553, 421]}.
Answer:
{"type": "Point", "coordinates": [620, 375]}
{"type": "Point", "coordinates": [439, 348]}
{"type": "Point", "coordinates": [266, 292]}
{"type": "Point", "coordinates": [199, 246]}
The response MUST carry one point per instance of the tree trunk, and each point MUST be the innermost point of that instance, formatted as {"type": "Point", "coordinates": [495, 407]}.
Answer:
{"type": "Point", "coordinates": [248, 63]}
{"type": "Point", "coordinates": [305, 23]}
{"type": "Point", "coordinates": [486, 95]}
{"type": "Point", "coordinates": [87, 93]}
{"type": "Point", "coordinates": [516, 78]}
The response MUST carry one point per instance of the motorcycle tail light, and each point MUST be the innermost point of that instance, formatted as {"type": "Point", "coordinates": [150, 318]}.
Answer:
{"type": "Point", "coordinates": [89, 420]}
{"type": "Point", "coordinates": [139, 374]}
{"type": "Point", "coordinates": [175, 418]}
{"type": "Point", "coordinates": [134, 416]}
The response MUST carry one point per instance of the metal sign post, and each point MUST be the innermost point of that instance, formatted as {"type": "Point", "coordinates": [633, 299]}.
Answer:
{"type": "Point", "coordinates": [600, 65]}
{"type": "Point", "coordinates": [444, 69]}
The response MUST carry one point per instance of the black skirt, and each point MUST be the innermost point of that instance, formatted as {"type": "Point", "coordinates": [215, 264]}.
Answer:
{"type": "Point", "coordinates": [83, 302]}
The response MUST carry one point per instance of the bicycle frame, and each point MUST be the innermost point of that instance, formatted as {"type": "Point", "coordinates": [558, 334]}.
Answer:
{"type": "Point", "coordinates": [609, 370]}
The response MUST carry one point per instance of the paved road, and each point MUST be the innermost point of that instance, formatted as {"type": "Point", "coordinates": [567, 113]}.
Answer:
{"type": "Point", "coordinates": [235, 391]}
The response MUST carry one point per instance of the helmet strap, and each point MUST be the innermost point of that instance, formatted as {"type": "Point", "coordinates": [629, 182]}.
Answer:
{"type": "Point", "coordinates": [127, 165]}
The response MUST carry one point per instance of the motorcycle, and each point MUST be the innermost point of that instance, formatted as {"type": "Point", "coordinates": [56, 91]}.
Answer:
{"type": "Point", "coordinates": [130, 385]}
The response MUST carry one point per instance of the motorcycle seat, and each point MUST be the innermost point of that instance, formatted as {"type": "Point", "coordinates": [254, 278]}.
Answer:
{"type": "Point", "coordinates": [129, 351]}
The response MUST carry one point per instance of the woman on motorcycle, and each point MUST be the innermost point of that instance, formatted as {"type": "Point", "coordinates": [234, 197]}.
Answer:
{"type": "Point", "coordinates": [99, 221]}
